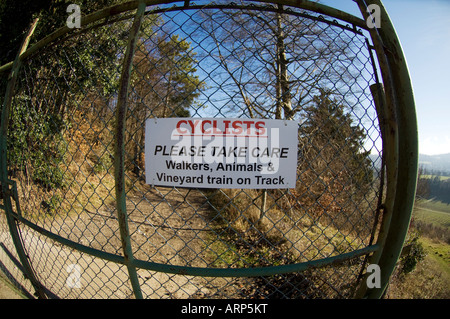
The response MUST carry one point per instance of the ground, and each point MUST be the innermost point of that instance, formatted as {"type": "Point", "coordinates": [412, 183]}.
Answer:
{"type": "Point", "coordinates": [7, 291]}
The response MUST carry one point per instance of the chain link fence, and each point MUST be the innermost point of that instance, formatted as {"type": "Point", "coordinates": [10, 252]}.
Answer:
{"type": "Point", "coordinates": [215, 60]}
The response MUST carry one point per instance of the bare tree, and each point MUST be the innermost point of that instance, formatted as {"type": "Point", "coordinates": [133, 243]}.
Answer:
{"type": "Point", "coordinates": [275, 62]}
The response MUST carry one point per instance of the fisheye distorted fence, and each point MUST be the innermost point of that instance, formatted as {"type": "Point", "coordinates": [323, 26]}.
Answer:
{"type": "Point", "coordinates": [248, 149]}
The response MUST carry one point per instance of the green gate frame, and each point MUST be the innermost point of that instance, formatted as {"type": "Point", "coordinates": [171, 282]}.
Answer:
{"type": "Point", "coordinates": [396, 113]}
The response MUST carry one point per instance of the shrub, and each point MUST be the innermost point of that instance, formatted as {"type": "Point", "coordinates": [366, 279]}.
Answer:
{"type": "Point", "coordinates": [36, 144]}
{"type": "Point", "coordinates": [413, 254]}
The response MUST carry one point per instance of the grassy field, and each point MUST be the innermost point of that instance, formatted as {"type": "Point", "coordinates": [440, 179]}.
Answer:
{"type": "Point", "coordinates": [434, 212]}
{"type": "Point", "coordinates": [431, 278]}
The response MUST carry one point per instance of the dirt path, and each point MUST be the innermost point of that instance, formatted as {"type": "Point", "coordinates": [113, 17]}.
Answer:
{"type": "Point", "coordinates": [7, 291]}
{"type": "Point", "coordinates": [167, 226]}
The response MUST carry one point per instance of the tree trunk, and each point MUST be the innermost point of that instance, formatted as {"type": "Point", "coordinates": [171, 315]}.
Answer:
{"type": "Point", "coordinates": [283, 91]}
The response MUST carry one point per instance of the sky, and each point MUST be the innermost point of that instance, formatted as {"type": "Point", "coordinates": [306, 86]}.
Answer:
{"type": "Point", "coordinates": [423, 27]}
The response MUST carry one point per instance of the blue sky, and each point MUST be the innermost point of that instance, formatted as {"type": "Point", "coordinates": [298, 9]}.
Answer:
{"type": "Point", "coordinates": [423, 27]}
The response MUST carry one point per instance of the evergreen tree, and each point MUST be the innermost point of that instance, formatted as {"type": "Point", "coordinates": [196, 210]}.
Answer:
{"type": "Point", "coordinates": [335, 171]}
{"type": "Point", "coordinates": [335, 140]}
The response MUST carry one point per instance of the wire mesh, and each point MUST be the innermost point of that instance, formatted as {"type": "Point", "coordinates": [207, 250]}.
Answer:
{"type": "Point", "coordinates": [231, 60]}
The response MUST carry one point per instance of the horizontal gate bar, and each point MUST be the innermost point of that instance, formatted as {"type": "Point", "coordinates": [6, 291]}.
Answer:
{"type": "Point", "coordinates": [203, 271]}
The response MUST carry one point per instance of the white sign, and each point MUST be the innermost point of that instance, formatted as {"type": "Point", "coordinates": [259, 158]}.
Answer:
{"type": "Point", "coordinates": [221, 153]}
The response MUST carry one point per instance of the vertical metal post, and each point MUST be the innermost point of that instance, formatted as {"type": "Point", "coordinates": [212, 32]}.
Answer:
{"type": "Point", "coordinates": [385, 104]}
{"type": "Point", "coordinates": [405, 188]}
{"type": "Point", "coordinates": [5, 188]}
{"type": "Point", "coordinates": [119, 155]}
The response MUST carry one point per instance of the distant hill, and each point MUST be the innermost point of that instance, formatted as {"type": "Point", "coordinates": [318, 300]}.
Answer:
{"type": "Point", "coordinates": [431, 163]}
{"type": "Point", "coordinates": [435, 163]}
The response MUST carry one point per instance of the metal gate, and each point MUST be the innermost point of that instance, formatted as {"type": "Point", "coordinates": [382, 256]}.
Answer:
{"type": "Point", "coordinates": [77, 218]}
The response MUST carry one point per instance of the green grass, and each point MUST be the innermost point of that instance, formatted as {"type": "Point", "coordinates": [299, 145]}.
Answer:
{"type": "Point", "coordinates": [431, 278]}
{"type": "Point", "coordinates": [433, 212]}
{"type": "Point", "coordinates": [438, 251]}
{"type": "Point", "coordinates": [434, 205]}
